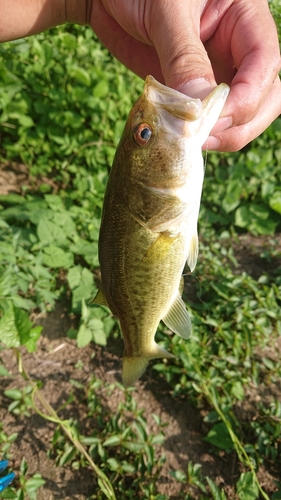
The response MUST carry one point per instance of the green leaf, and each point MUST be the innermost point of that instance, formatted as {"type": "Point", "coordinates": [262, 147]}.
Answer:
{"type": "Point", "coordinates": [99, 337]}
{"type": "Point", "coordinates": [275, 201]}
{"type": "Point", "coordinates": [9, 334]}
{"type": "Point", "coordinates": [232, 196]}
{"type": "Point", "coordinates": [3, 371]}
{"type": "Point", "coordinates": [84, 336]}
{"type": "Point", "coordinates": [247, 488]}
{"type": "Point", "coordinates": [81, 75]}
{"type": "Point", "coordinates": [16, 328]}
{"type": "Point", "coordinates": [48, 232]}
{"type": "Point", "coordinates": [8, 494]}
{"type": "Point", "coordinates": [33, 484]}
{"type": "Point", "coordinates": [256, 218]}
{"type": "Point", "coordinates": [219, 436]}
{"type": "Point", "coordinates": [112, 441]}
{"type": "Point", "coordinates": [179, 476]}
{"type": "Point", "coordinates": [34, 335]}
{"type": "Point", "coordinates": [54, 202]}
{"type": "Point", "coordinates": [242, 217]}
{"type": "Point", "coordinates": [81, 282]}
{"type": "Point", "coordinates": [56, 257]}
{"type": "Point", "coordinates": [15, 394]}
{"type": "Point", "coordinates": [25, 121]}
{"type": "Point", "coordinates": [101, 89]}
{"type": "Point", "coordinates": [237, 390]}
{"type": "Point", "coordinates": [217, 494]}
{"type": "Point", "coordinates": [104, 489]}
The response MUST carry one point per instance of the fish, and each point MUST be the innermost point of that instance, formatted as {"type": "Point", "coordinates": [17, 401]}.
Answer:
{"type": "Point", "coordinates": [149, 220]}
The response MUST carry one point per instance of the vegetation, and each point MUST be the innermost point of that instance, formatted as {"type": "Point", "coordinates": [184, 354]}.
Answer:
{"type": "Point", "coordinates": [64, 101]}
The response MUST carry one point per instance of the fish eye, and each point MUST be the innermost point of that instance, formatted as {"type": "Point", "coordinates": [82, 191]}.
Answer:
{"type": "Point", "coordinates": [143, 134]}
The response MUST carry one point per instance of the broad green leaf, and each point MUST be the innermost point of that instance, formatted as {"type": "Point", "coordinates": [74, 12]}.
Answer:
{"type": "Point", "coordinates": [33, 484]}
{"type": "Point", "coordinates": [9, 334]}
{"type": "Point", "coordinates": [219, 436]}
{"type": "Point", "coordinates": [25, 121]}
{"type": "Point", "coordinates": [8, 494]}
{"type": "Point", "coordinates": [112, 441]}
{"type": "Point", "coordinates": [81, 282]}
{"type": "Point", "coordinates": [237, 390]}
{"type": "Point", "coordinates": [34, 335]}
{"type": "Point", "coordinates": [54, 202]}
{"type": "Point", "coordinates": [101, 89]}
{"type": "Point", "coordinates": [246, 487]}
{"type": "Point", "coordinates": [99, 337]}
{"type": "Point", "coordinates": [3, 371]}
{"type": "Point", "coordinates": [95, 324]}
{"type": "Point", "coordinates": [15, 394]}
{"type": "Point", "coordinates": [242, 217]}
{"type": "Point", "coordinates": [48, 232]}
{"type": "Point", "coordinates": [84, 336]}
{"type": "Point", "coordinates": [74, 276]}
{"type": "Point", "coordinates": [81, 75]}
{"type": "Point", "coordinates": [275, 201]}
{"type": "Point", "coordinates": [55, 257]}
{"type": "Point", "coordinates": [232, 196]}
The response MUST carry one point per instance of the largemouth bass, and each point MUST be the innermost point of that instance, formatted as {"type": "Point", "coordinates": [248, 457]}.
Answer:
{"type": "Point", "coordinates": [149, 221]}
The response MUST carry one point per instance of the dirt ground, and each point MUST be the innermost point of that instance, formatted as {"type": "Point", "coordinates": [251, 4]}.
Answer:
{"type": "Point", "coordinates": [57, 360]}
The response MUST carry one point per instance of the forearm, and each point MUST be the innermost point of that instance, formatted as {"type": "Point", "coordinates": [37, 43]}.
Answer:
{"type": "Point", "coordinates": [19, 18]}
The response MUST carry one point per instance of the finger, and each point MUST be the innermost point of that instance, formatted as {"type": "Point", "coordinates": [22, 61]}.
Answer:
{"type": "Point", "coordinates": [139, 57]}
{"type": "Point", "coordinates": [257, 59]}
{"type": "Point", "coordinates": [174, 29]}
{"type": "Point", "coordinates": [236, 137]}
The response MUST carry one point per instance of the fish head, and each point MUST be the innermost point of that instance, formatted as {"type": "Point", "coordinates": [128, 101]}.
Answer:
{"type": "Point", "coordinates": [165, 132]}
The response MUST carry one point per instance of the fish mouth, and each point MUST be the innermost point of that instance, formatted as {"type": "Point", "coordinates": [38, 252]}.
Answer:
{"type": "Point", "coordinates": [172, 101]}
{"type": "Point", "coordinates": [195, 116]}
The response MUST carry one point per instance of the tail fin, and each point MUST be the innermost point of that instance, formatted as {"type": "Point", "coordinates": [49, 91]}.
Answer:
{"type": "Point", "coordinates": [135, 366]}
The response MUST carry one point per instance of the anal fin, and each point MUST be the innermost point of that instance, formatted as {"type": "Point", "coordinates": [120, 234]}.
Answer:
{"type": "Point", "coordinates": [177, 318]}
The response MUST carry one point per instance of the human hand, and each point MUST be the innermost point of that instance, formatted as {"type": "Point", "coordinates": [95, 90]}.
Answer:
{"type": "Point", "coordinates": [192, 46]}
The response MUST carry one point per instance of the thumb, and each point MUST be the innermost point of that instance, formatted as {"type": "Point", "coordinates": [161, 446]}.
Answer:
{"type": "Point", "coordinates": [175, 33]}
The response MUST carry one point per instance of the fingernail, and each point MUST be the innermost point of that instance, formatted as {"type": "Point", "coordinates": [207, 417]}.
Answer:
{"type": "Point", "coordinates": [222, 124]}
{"type": "Point", "coordinates": [212, 143]}
{"type": "Point", "coordinates": [198, 88]}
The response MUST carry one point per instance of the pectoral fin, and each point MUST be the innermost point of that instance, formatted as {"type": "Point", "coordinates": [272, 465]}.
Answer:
{"type": "Point", "coordinates": [177, 318]}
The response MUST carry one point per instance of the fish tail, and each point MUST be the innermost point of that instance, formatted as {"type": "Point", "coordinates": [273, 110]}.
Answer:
{"type": "Point", "coordinates": [135, 366]}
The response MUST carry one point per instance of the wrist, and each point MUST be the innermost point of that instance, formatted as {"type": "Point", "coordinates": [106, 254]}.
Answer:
{"type": "Point", "coordinates": [78, 11]}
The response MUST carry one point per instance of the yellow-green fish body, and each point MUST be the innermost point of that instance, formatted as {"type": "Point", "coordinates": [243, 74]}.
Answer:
{"type": "Point", "coordinates": [149, 222]}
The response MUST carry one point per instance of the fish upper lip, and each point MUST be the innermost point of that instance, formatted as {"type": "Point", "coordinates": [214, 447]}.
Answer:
{"type": "Point", "coordinates": [173, 101]}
